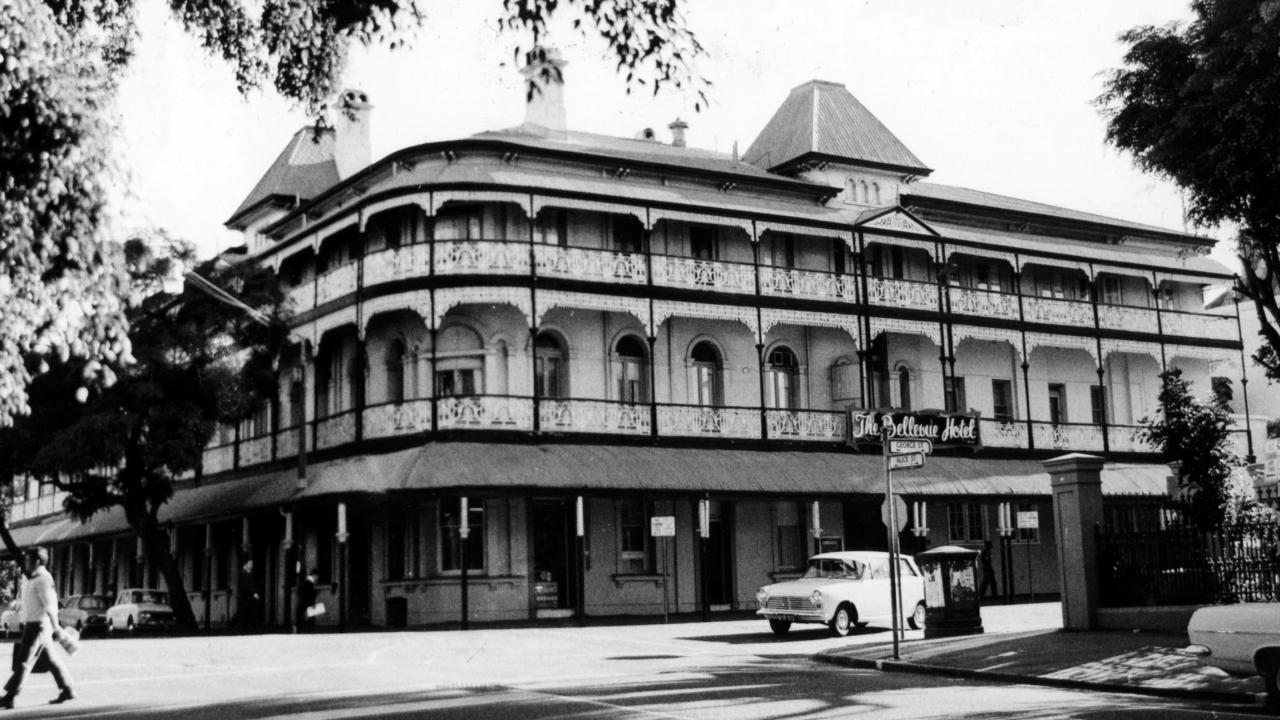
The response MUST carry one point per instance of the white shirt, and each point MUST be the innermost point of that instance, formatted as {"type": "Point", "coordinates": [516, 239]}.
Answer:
{"type": "Point", "coordinates": [38, 598]}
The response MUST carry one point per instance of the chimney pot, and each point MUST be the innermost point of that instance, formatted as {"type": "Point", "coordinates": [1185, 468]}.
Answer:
{"type": "Point", "coordinates": [545, 108]}
{"type": "Point", "coordinates": [677, 129]}
{"type": "Point", "coordinates": [352, 150]}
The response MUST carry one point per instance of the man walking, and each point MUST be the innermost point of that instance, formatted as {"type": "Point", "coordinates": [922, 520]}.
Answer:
{"type": "Point", "coordinates": [988, 573]}
{"type": "Point", "coordinates": [39, 629]}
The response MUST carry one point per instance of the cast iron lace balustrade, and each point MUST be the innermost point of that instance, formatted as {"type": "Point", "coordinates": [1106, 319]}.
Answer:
{"type": "Point", "coordinates": [672, 271]}
{"type": "Point", "coordinates": [301, 298]}
{"type": "Point", "coordinates": [406, 262]}
{"type": "Point", "coordinates": [287, 442]}
{"type": "Point", "coordinates": [402, 418]}
{"type": "Point", "coordinates": [1124, 438]}
{"type": "Point", "coordinates": [986, 303]}
{"type": "Point", "coordinates": [338, 282]}
{"type": "Point", "coordinates": [488, 412]}
{"type": "Point", "coordinates": [1124, 317]}
{"type": "Point", "coordinates": [1067, 436]}
{"type": "Point", "coordinates": [594, 416]}
{"type": "Point", "coordinates": [255, 451]}
{"type": "Point", "coordinates": [1076, 313]}
{"type": "Point", "coordinates": [702, 421]}
{"type": "Point", "coordinates": [805, 425]}
{"type": "Point", "coordinates": [902, 293]}
{"type": "Point", "coordinates": [1199, 325]}
{"type": "Point", "coordinates": [589, 264]}
{"type": "Point", "coordinates": [1004, 433]}
{"type": "Point", "coordinates": [219, 458]}
{"type": "Point", "coordinates": [464, 257]}
{"type": "Point", "coordinates": [807, 283]}
{"type": "Point", "coordinates": [335, 430]}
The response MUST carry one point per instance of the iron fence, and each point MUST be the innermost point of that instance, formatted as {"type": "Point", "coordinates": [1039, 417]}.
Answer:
{"type": "Point", "coordinates": [1184, 566]}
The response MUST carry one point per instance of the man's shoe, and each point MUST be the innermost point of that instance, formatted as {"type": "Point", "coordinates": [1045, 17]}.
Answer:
{"type": "Point", "coordinates": [6, 702]}
{"type": "Point", "coordinates": [66, 694]}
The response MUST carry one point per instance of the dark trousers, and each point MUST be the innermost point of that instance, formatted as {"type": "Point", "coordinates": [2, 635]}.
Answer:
{"type": "Point", "coordinates": [988, 581]}
{"type": "Point", "coordinates": [31, 644]}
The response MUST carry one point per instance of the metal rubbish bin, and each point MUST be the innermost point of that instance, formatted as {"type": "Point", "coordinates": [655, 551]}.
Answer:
{"type": "Point", "coordinates": [950, 591]}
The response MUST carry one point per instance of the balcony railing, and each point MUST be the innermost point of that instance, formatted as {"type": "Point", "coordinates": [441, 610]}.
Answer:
{"type": "Point", "coordinates": [594, 416]}
{"type": "Point", "coordinates": [485, 412]}
{"type": "Point", "coordinates": [1124, 317]}
{"type": "Point", "coordinates": [902, 293]}
{"type": "Point", "coordinates": [672, 271]}
{"type": "Point", "coordinates": [397, 264]}
{"type": "Point", "coordinates": [338, 282]}
{"type": "Point", "coordinates": [985, 303]}
{"type": "Point", "coordinates": [806, 425]}
{"type": "Point", "coordinates": [809, 284]}
{"type": "Point", "coordinates": [1190, 324]}
{"type": "Point", "coordinates": [37, 506]}
{"type": "Point", "coordinates": [1124, 438]}
{"type": "Point", "coordinates": [1052, 311]}
{"type": "Point", "coordinates": [335, 430]}
{"type": "Point", "coordinates": [589, 264]}
{"type": "Point", "coordinates": [219, 458]}
{"type": "Point", "coordinates": [402, 418]}
{"type": "Point", "coordinates": [1066, 436]}
{"type": "Point", "coordinates": [255, 450]}
{"type": "Point", "coordinates": [490, 257]}
{"type": "Point", "coordinates": [1004, 433]}
{"type": "Point", "coordinates": [704, 421]}
{"type": "Point", "coordinates": [301, 298]}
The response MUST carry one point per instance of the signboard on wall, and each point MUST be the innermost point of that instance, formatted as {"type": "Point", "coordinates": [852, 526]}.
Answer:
{"type": "Point", "coordinates": [662, 526]}
{"type": "Point", "coordinates": [940, 429]}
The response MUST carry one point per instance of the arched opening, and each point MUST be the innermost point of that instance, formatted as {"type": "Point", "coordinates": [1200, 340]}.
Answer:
{"type": "Point", "coordinates": [633, 369]}
{"type": "Point", "coordinates": [904, 387]}
{"type": "Point", "coordinates": [550, 367]}
{"type": "Point", "coordinates": [394, 361]}
{"type": "Point", "coordinates": [707, 371]}
{"type": "Point", "coordinates": [782, 372]}
{"type": "Point", "coordinates": [459, 362]}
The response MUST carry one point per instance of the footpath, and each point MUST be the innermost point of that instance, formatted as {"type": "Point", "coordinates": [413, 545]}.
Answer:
{"type": "Point", "coordinates": [1014, 650]}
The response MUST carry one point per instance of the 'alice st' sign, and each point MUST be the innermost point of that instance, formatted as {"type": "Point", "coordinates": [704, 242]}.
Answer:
{"type": "Point", "coordinates": [941, 429]}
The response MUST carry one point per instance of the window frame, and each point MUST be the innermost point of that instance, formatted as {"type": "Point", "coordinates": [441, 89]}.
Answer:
{"type": "Point", "coordinates": [447, 539]}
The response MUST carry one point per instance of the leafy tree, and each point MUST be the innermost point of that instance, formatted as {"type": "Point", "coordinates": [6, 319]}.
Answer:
{"type": "Point", "coordinates": [63, 286]}
{"type": "Point", "coordinates": [1200, 105]}
{"type": "Point", "coordinates": [1195, 434]}
{"type": "Point", "coordinates": [200, 359]}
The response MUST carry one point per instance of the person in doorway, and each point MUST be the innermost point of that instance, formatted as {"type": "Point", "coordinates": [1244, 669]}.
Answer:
{"type": "Point", "coordinates": [988, 572]}
{"type": "Point", "coordinates": [306, 599]}
{"type": "Point", "coordinates": [247, 598]}
{"type": "Point", "coordinates": [40, 629]}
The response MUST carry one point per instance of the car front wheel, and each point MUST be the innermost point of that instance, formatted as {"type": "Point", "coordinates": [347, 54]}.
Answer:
{"type": "Point", "coordinates": [843, 621]}
{"type": "Point", "coordinates": [111, 626]}
{"type": "Point", "coordinates": [916, 620]}
{"type": "Point", "coordinates": [130, 626]}
{"type": "Point", "coordinates": [779, 627]}
{"type": "Point", "coordinates": [1271, 678]}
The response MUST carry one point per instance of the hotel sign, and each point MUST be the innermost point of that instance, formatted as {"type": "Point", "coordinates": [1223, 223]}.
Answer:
{"type": "Point", "coordinates": [940, 429]}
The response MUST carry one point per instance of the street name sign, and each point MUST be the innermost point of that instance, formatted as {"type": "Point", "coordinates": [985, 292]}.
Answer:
{"type": "Point", "coordinates": [662, 525]}
{"type": "Point", "coordinates": [898, 446]}
{"type": "Point", "coordinates": [906, 461]}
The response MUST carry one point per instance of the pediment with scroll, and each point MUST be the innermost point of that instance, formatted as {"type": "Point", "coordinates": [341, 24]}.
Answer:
{"type": "Point", "coordinates": [896, 219]}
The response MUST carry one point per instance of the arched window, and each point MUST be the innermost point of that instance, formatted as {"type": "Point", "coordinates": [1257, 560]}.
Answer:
{"type": "Point", "coordinates": [862, 188]}
{"type": "Point", "coordinates": [331, 379]}
{"type": "Point", "coordinates": [459, 362]}
{"type": "Point", "coordinates": [550, 370]}
{"type": "Point", "coordinates": [875, 193]}
{"type": "Point", "coordinates": [707, 367]}
{"type": "Point", "coordinates": [782, 371]}
{"type": "Point", "coordinates": [904, 387]}
{"type": "Point", "coordinates": [394, 363]}
{"type": "Point", "coordinates": [633, 369]}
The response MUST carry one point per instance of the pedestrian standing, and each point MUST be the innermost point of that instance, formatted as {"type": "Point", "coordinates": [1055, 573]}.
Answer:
{"type": "Point", "coordinates": [40, 629]}
{"type": "Point", "coordinates": [247, 598]}
{"type": "Point", "coordinates": [306, 599]}
{"type": "Point", "coordinates": [988, 572]}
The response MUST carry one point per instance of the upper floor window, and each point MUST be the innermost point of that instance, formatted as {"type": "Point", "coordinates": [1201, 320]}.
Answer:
{"type": "Point", "coordinates": [953, 394]}
{"type": "Point", "coordinates": [459, 222]}
{"type": "Point", "coordinates": [862, 191]}
{"type": "Point", "coordinates": [459, 362]}
{"type": "Point", "coordinates": [394, 363]}
{"type": "Point", "coordinates": [393, 228]}
{"type": "Point", "coordinates": [553, 226]}
{"type": "Point", "coordinates": [875, 193]}
{"type": "Point", "coordinates": [904, 387]}
{"type": "Point", "coordinates": [1098, 404]}
{"type": "Point", "coordinates": [782, 372]}
{"type": "Point", "coordinates": [331, 379]}
{"type": "Point", "coordinates": [707, 367]}
{"type": "Point", "coordinates": [550, 371]}
{"type": "Point", "coordinates": [1110, 290]}
{"type": "Point", "coordinates": [633, 369]}
{"type": "Point", "coordinates": [1002, 400]}
{"type": "Point", "coordinates": [702, 242]}
{"type": "Point", "coordinates": [628, 235]}
{"type": "Point", "coordinates": [844, 380]}
{"type": "Point", "coordinates": [1057, 403]}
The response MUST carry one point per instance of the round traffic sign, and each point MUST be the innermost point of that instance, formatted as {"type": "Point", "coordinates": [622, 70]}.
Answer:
{"type": "Point", "coordinates": [901, 511]}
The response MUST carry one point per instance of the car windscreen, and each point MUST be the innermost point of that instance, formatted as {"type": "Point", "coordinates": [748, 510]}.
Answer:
{"type": "Point", "coordinates": [92, 603]}
{"type": "Point", "coordinates": [827, 568]}
{"type": "Point", "coordinates": [150, 596]}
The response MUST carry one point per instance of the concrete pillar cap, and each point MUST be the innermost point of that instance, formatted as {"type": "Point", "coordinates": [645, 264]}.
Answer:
{"type": "Point", "coordinates": [1074, 461]}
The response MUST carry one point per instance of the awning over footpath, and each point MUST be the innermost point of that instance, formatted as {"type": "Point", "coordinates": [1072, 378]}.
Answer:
{"type": "Point", "coordinates": [512, 467]}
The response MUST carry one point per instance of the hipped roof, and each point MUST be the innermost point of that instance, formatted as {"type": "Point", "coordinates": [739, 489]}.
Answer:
{"type": "Point", "coordinates": [303, 170]}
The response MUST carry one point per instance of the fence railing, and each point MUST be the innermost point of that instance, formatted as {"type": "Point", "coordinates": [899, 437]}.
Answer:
{"type": "Point", "coordinates": [1185, 566]}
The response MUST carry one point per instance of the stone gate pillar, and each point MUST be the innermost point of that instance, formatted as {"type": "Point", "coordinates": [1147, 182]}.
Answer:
{"type": "Point", "coordinates": [1076, 482]}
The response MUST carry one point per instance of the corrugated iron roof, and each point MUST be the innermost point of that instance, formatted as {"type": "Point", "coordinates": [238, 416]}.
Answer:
{"type": "Point", "coordinates": [823, 118]}
{"type": "Point", "coordinates": [303, 170]}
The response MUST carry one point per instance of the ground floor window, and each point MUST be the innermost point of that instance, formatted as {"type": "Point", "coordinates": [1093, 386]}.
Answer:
{"type": "Point", "coordinates": [964, 522]}
{"type": "Point", "coordinates": [790, 536]}
{"type": "Point", "coordinates": [635, 556]}
{"type": "Point", "coordinates": [452, 546]}
{"type": "Point", "coordinates": [403, 542]}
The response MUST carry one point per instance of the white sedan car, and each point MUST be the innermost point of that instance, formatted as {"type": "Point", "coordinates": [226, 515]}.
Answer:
{"type": "Point", "coordinates": [140, 609]}
{"type": "Point", "coordinates": [841, 590]}
{"type": "Point", "coordinates": [1241, 639]}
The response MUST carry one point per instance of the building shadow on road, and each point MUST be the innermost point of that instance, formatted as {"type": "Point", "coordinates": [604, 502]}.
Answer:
{"type": "Point", "coordinates": [801, 633]}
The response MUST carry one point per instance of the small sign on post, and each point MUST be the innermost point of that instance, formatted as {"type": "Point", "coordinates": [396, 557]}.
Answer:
{"type": "Point", "coordinates": [906, 461]}
{"type": "Point", "coordinates": [899, 446]}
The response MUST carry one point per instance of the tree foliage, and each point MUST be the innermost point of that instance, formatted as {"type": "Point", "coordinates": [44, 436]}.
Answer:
{"type": "Point", "coordinates": [1196, 435]}
{"type": "Point", "coordinates": [1200, 105]}
{"type": "Point", "coordinates": [63, 287]}
{"type": "Point", "coordinates": [199, 360]}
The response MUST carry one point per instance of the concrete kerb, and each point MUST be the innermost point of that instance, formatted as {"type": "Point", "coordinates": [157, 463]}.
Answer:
{"type": "Point", "coordinates": [831, 658]}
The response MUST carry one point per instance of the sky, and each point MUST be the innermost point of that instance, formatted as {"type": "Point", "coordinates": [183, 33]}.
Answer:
{"type": "Point", "coordinates": [994, 95]}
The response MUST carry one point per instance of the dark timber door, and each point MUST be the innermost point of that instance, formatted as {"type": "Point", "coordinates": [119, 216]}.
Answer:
{"type": "Point", "coordinates": [554, 576]}
{"type": "Point", "coordinates": [720, 557]}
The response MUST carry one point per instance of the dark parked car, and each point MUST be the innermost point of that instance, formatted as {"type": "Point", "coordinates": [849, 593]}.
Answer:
{"type": "Point", "coordinates": [86, 613]}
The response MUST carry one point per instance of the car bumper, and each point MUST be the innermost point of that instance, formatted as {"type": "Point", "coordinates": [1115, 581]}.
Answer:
{"type": "Point", "coordinates": [799, 616]}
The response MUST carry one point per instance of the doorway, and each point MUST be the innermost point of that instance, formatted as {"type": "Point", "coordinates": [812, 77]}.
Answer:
{"type": "Point", "coordinates": [358, 560]}
{"type": "Point", "coordinates": [719, 562]}
{"type": "Point", "coordinates": [554, 570]}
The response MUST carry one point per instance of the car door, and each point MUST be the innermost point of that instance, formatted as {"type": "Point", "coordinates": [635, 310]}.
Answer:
{"type": "Point", "coordinates": [874, 592]}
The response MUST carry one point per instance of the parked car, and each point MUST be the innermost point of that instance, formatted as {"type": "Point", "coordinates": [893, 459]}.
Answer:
{"type": "Point", "coordinates": [1242, 639]}
{"type": "Point", "coordinates": [11, 618]}
{"type": "Point", "coordinates": [140, 609]}
{"type": "Point", "coordinates": [841, 590]}
{"type": "Point", "coordinates": [85, 613]}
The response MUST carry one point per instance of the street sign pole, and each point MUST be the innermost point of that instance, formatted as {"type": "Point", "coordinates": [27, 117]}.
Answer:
{"type": "Point", "coordinates": [892, 530]}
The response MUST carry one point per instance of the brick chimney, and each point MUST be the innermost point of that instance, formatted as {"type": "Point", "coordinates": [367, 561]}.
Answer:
{"type": "Point", "coordinates": [677, 129]}
{"type": "Point", "coordinates": [546, 107]}
{"type": "Point", "coordinates": [352, 151]}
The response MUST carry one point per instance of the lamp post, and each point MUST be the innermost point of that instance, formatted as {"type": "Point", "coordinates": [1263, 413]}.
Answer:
{"type": "Point", "coordinates": [342, 536]}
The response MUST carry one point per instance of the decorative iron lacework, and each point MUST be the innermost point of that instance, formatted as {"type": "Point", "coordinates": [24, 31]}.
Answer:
{"type": "Point", "coordinates": [438, 199]}
{"type": "Point", "coordinates": [608, 208]}
{"type": "Point", "coordinates": [907, 327]}
{"type": "Point", "coordinates": [986, 303]}
{"type": "Point", "coordinates": [763, 226]}
{"type": "Point", "coordinates": [928, 246]}
{"type": "Point", "coordinates": [322, 325]}
{"type": "Point", "coordinates": [896, 220]}
{"type": "Point", "coordinates": [982, 252]}
{"type": "Point", "coordinates": [1132, 347]}
{"type": "Point", "coordinates": [700, 218]}
{"type": "Point", "coordinates": [975, 332]}
{"type": "Point", "coordinates": [1067, 437]}
{"type": "Point", "coordinates": [590, 264]}
{"type": "Point", "coordinates": [332, 229]}
{"type": "Point", "coordinates": [410, 261]}
{"type": "Point", "coordinates": [664, 309]}
{"type": "Point", "coordinates": [770, 317]}
{"type": "Point", "coordinates": [1198, 325]}
{"type": "Point", "coordinates": [450, 298]}
{"type": "Point", "coordinates": [417, 301]}
{"type": "Point", "coordinates": [1199, 353]}
{"type": "Point", "coordinates": [1071, 342]}
{"type": "Point", "coordinates": [1122, 317]}
{"type": "Point", "coordinates": [549, 300]}
{"type": "Point", "coordinates": [339, 282]}
{"type": "Point", "coordinates": [422, 200]}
